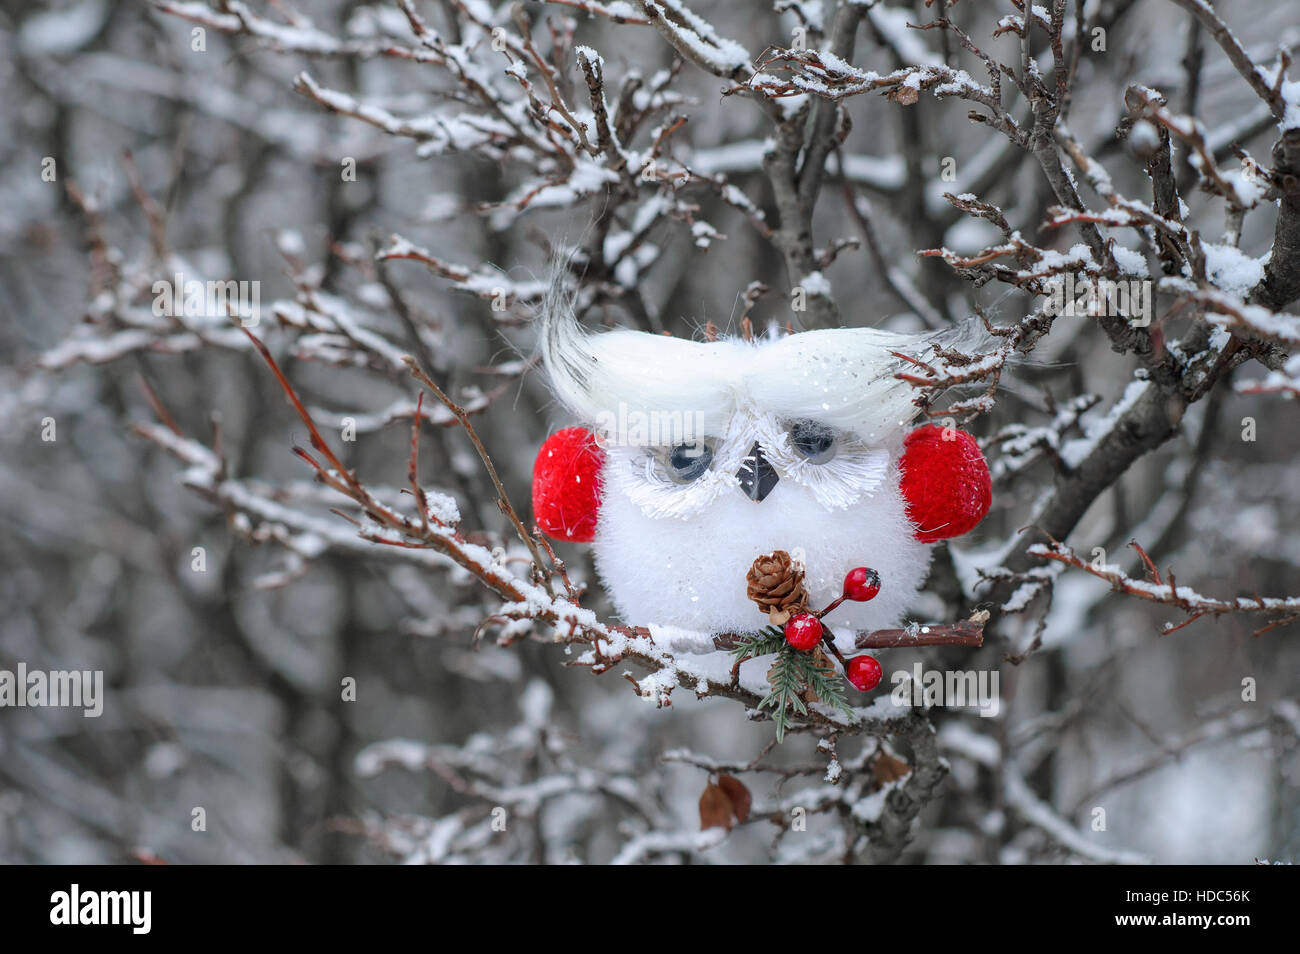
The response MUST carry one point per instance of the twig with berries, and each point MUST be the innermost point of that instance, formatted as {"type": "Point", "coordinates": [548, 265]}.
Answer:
{"type": "Point", "coordinates": [860, 585]}
{"type": "Point", "coordinates": [802, 672]}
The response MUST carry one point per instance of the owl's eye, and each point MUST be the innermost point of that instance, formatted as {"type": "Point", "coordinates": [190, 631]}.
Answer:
{"type": "Point", "coordinates": [812, 440]}
{"type": "Point", "coordinates": [687, 462]}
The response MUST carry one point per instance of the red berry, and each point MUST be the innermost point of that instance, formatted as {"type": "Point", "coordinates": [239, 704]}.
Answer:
{"type": "Point", "coordinates": [803, 631]}
{"type": "Point", "coordinates": [861, 584]}
{"type": "Point", "coordinates": [864, 672]}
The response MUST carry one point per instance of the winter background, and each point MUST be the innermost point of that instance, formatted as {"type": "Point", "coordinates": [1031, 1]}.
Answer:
{"type": "Point", "coordinates": [224, 684]}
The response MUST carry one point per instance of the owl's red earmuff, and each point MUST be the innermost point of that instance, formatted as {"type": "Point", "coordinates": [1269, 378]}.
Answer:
{"type": "Point", "coordinates": [945, 482]}
{"type": "Point", "coordinates": [566, 485]}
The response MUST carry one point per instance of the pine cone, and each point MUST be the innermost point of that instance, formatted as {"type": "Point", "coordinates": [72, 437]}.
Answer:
{"type": "Point", "coordinates": [776, 585]}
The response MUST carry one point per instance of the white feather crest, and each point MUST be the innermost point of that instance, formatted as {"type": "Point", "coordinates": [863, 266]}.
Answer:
{"type": "Point", "coordinates": [842, 377]}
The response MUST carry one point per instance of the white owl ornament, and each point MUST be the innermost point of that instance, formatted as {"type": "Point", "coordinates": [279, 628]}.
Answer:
{"type": "Point", "coordinates": [696, 457]}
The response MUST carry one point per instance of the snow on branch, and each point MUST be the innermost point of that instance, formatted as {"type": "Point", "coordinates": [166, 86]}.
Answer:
{"type": "Point", "coordinates": [697, 39]}
{"type": "Point", "coordinates": [1279, 611]}
{"type": "Point", "coordinates": [1285, 381]}
{"type": "Point", "coordinates": [620, 11]}
{"type": "Point", "coordinates": [1020, 445]}
{"type": "Point", "coordinates": [1270, 90]}
{"type": "Point", "coordinates": [953, 368]}
{"type": "Point", "coordinates": [301, 36]}
{"type": "Point", "coordinates": [483, 282]}
{"type": "Point", "coordinates": [1256, 321]}
{"type": "Point", "coordinates": [498, 775]}
{"type": "Point", "coordinates": [1021, 799]}
{"type": "Point", "coordinates": [824, 74]}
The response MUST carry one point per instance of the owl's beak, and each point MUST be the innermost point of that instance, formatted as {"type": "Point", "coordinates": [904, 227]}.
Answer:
{"type": "Point", "coordinates": [757, 478]}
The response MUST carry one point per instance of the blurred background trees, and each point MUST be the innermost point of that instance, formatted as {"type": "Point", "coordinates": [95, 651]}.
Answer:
{"type": "Point", "coordinates": [397, 178]}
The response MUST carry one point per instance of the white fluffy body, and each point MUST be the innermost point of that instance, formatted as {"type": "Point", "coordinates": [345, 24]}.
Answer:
{"type": "Point", "coordinates": [691, 573]}
{"type": "Point", "coordinates": [677, 554]}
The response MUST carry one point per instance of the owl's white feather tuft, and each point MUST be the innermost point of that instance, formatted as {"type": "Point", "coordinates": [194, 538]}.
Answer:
{"type": "Point", "coordinates": [843, 377]}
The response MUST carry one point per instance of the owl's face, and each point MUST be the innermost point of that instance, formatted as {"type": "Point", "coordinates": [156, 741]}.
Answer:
{"type": "Point", "coordinates": [680, 523]}
{"type": "Point", "coordinates": [683, 478]}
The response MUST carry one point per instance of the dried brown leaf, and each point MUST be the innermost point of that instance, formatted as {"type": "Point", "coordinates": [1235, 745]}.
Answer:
{"type": "Point", "coordinates": [716, 810]}
{"type": "Point", "coordinates": [885, 769]}
{"type": "Point", "coordinates": [738, 794]}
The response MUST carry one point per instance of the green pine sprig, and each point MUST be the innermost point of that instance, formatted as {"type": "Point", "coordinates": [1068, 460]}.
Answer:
{"type": "Point", "coordinates": [787, 691]}
{"type": "Point", "coordinates": [766, 641]}
{"type": "Point", "coordinates": [791, 673]}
